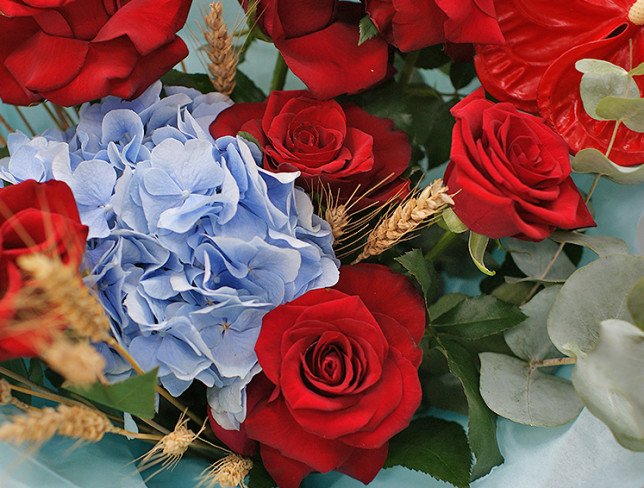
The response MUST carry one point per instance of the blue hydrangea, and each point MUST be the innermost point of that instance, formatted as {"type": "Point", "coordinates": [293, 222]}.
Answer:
{"type": "Point", "coordinates": [191, 242]}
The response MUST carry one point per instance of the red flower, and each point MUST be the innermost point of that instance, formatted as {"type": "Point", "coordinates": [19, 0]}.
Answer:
{"type": "Point", "coordinates": [415, 24]}
{"type": "Point", "coordinates": [319, 42]}
{"type": "Point", "coordinates": [535, 70]}
{"type": "Point", "coordinates": [340, 376]}
{"type": "Point", "coordinates": [511, 173]}
{"type": "Point", "coordinates": [75, 51]}
{"type": "Point", "coordinates": [34, 218]}
{"type": "Point", "coordinates": [342, 146]}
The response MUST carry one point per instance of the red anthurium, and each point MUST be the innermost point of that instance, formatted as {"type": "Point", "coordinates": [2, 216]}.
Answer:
{"type": "Point", "coordinates": [535, 69]}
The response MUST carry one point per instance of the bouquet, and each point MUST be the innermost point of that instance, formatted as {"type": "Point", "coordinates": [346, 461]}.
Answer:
{"type": "Point", "coordinates": [270, 280]}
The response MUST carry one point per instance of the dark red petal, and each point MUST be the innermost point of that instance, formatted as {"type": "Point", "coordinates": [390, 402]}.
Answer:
{"type": "Point", "coordinates": [13, 33]}
{"type": "Point", "coordinates": [537, 32]}
{"type": "Point", "coordinates": [286, 472]}
{"type": "Point", "coordinates": [230, 121]}
{"type": "Point", "coordinates": [399, 299]}
{"type": "Point", "coordinates": [301, 17]}
{"type": "Point", "coordinates": [560, 101]}
{"type": "Point", "coordinates": [364, 464]}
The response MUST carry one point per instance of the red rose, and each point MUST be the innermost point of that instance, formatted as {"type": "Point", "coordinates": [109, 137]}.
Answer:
{"type": "Point", "coordinates": [340, 376]}
{"type": "Point", "coordinates": [319, 42]}
{"type": "Point", "coordinates": [34, 218]}
{"type": "Point", "coordinates": [535, 69]}
{"type": "Point", "coordinates": [75, 51]}
{"type": "Point", "coordinates": [511, 173]}
{"type": "Point", "coordinates": [342, 146]}
{"type": "Point", "coordinates": [415, 24]}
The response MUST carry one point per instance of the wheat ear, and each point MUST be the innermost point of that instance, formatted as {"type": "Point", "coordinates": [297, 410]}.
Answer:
{"type": "Point", "coordinates": [222, 65]}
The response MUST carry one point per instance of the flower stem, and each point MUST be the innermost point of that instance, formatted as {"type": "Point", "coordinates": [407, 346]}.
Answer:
{"type": "Point", "coordinates": [443, 243]}
{"type": "Point", "coordinates": [279, 73]}
{"type": "Point", "coordinates": [408, 68]}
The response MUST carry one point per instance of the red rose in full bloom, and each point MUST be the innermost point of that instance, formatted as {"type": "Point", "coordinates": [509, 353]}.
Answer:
{"type": "Point", "coordinates": [535, 69]}
{"type": "Point", "coordinates": [319, 42]}
{"type": "Point", "coordinates": [34, 218]}
{"type": "Point", "coordinates": [510, 173]}
{"type": "Point", "coordinates": [341, 146]}
{"type": "Point", "coordinates": [415, 24]}
{"type": "Point", "coordinates": [340, 377]}
{"type": "Point", "coordinates": [76, 51]}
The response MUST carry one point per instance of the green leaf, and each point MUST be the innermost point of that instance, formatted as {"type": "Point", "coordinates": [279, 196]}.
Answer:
{"type": "Point", "coordinates": [533, 257]}
{"type": "Point", "coordinates": [368, 30]}
{"type": "Point", "coordinates": [453, 223]}
{"type": "Point", "coordinates": [481, 429]}
{"type": "Point", "coordinates": [593, 161]}
{"type": "Point", "coordinates": [600, 245]}
{"type": "Point", "coordinates": [461, 74]}
{"type": "Point", "coordinates": [135, 395]}
{"type": "Point", "coordinates": [602, 79]}
{"type": "Point", "coordinates": [477, 245]}
{"type": "Point", "coordinates": [609, 380]}
{"type": "Point", "coordinates": [259, 477]}
{"type": "Point", "coordinates": [530, 340]}
{"type": "Point", "coordinates": [198, 81]}
{"type": "Point", "coordinates": [246, 90]}
{"type": "Point", "coordinates": [478, 317]}
{"type": "Point", "coordinates": [434, 447]}
{"type": "Point", "coordinates": [638, 70]}
{"type": "Point", "coordinates": [629, 110]}
{"type": "Point", "coordinates": [432, 57]}
{"type": "Point", "coordinates": [446, 303]}
{"type": "Point", "coordinates": [635, 303]}
{"type": "Point", "coordinates": [249, 137]}
{"type": "Point", "coordinates": [515, 390]}
{"type": "Point", "coordinates": [414, 262]}
{"type": "Point", "coordinates": [4, 152]}
{"type": "Point", "coordinates": [596, 292]}
{"type": "Point", "coordinates": [440, 123]}
{"type": "Point", "coordinates": [514, 293]}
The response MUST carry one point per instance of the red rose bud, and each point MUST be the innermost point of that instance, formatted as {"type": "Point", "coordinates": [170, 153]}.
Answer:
{"type": "Point", "coordinates": [414, 24]}
{"type": "Point", "coordinates": [319, 41]}
{"type": "Point", "coordinates": [341, 146]}
{"type": "Point", "coordinates": [76, 51]}
{"type": "Point", "coordinates": [34, 218]}
{"type": "Point", "coordinates": [340, 376]}
{"type": "Point", "coordinates": [510, 173]}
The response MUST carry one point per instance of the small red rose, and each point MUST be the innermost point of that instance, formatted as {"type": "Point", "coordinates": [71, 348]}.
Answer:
{"type": "Point", "coordinates": [34, 218]}
{"type": "Point", "coordinates": [510, 173]}
{"type": "Point", "coordinates": [319, 41]}
{"type": "Point", "coordinates": [76, 51]}
{"type": "Point", "coordinates": [414, 24]}
{"type": "Point", "coordinates": [340, 377]}
{"type": "Point", "coordinates": [341, 146]}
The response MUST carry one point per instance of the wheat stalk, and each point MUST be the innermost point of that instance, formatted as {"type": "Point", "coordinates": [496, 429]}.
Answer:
{"type": "Point", "coordinates": [222, 65]}
{"type": "Point", "coordinates": [228, 472]}
{"type": "Point", "coordinates": [407, 217]}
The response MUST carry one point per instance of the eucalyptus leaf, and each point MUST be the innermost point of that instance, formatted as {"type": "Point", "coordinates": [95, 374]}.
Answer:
{"type": "Point", "coordinates": [533, 257]}
{"type": "Point", "coordinates": [415, 263]}
{"type": "Point", "coordinates": [602, 79]}
{"type": "Point", "coordinates": [477, 244]}
{"type": "Point", "coordinates": [596, 292]}
{"type": "Point", "coordinates": [609, 380]}
{"type": "Point", "coordinates": [135, 395]}
{"type": "Point", "coordinates": [635, 303]}
{"type": "Point", "coordinates": [600, 245]}
{"type": "Point", "coordinates": [435, 447]}
{"type": "Point", "coordinates": [453, 223]}
{"type": "Point", "coordinates": [630, 111]}
{"type": "Point", "coordinates": [593, 161]}
{"type": "Point", "coordinates": [482, 316]}
{"type": "Point", "coordinates": [514, 389]}
{"type": "Point", "coordinates": [368, 30]}
{"type": "Point", "coordinates": [481, 427]}
{"type": "Point", "coordinates": [530, 340]}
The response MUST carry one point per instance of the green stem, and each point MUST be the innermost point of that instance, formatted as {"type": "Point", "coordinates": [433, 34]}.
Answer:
{"type": "Point", "coordinates": [279, 73]}
{"type": "Point", "coordinates": [408, 68]}
{"type": "Point", "coordinates": [443, 243]}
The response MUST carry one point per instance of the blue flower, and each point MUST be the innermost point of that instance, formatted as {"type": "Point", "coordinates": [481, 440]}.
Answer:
{"type": "Point", "coordinates": [191, 242]}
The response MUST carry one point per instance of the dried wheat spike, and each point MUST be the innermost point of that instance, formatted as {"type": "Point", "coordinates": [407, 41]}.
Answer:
{"type": "Point", "coordinates": [65, 291]}
{"type": "Point", "coordinates": [411, 214]}
{"type": "Point", "coordinates": [5, 392]}
{"type": "Point", "coordinates": [78, 362]}
{"type": "Point", "coordinates": [338, 219]}
{"type": "Point", "coordinates": [223, 59]}
{"type": "Point", "coordinates": [228, 472]}
{"type": "Point", "coordinates": [83, 423]}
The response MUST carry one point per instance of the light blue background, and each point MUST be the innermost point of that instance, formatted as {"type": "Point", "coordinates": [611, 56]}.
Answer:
{"type": "Point", "coordinates": [581, 454]}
